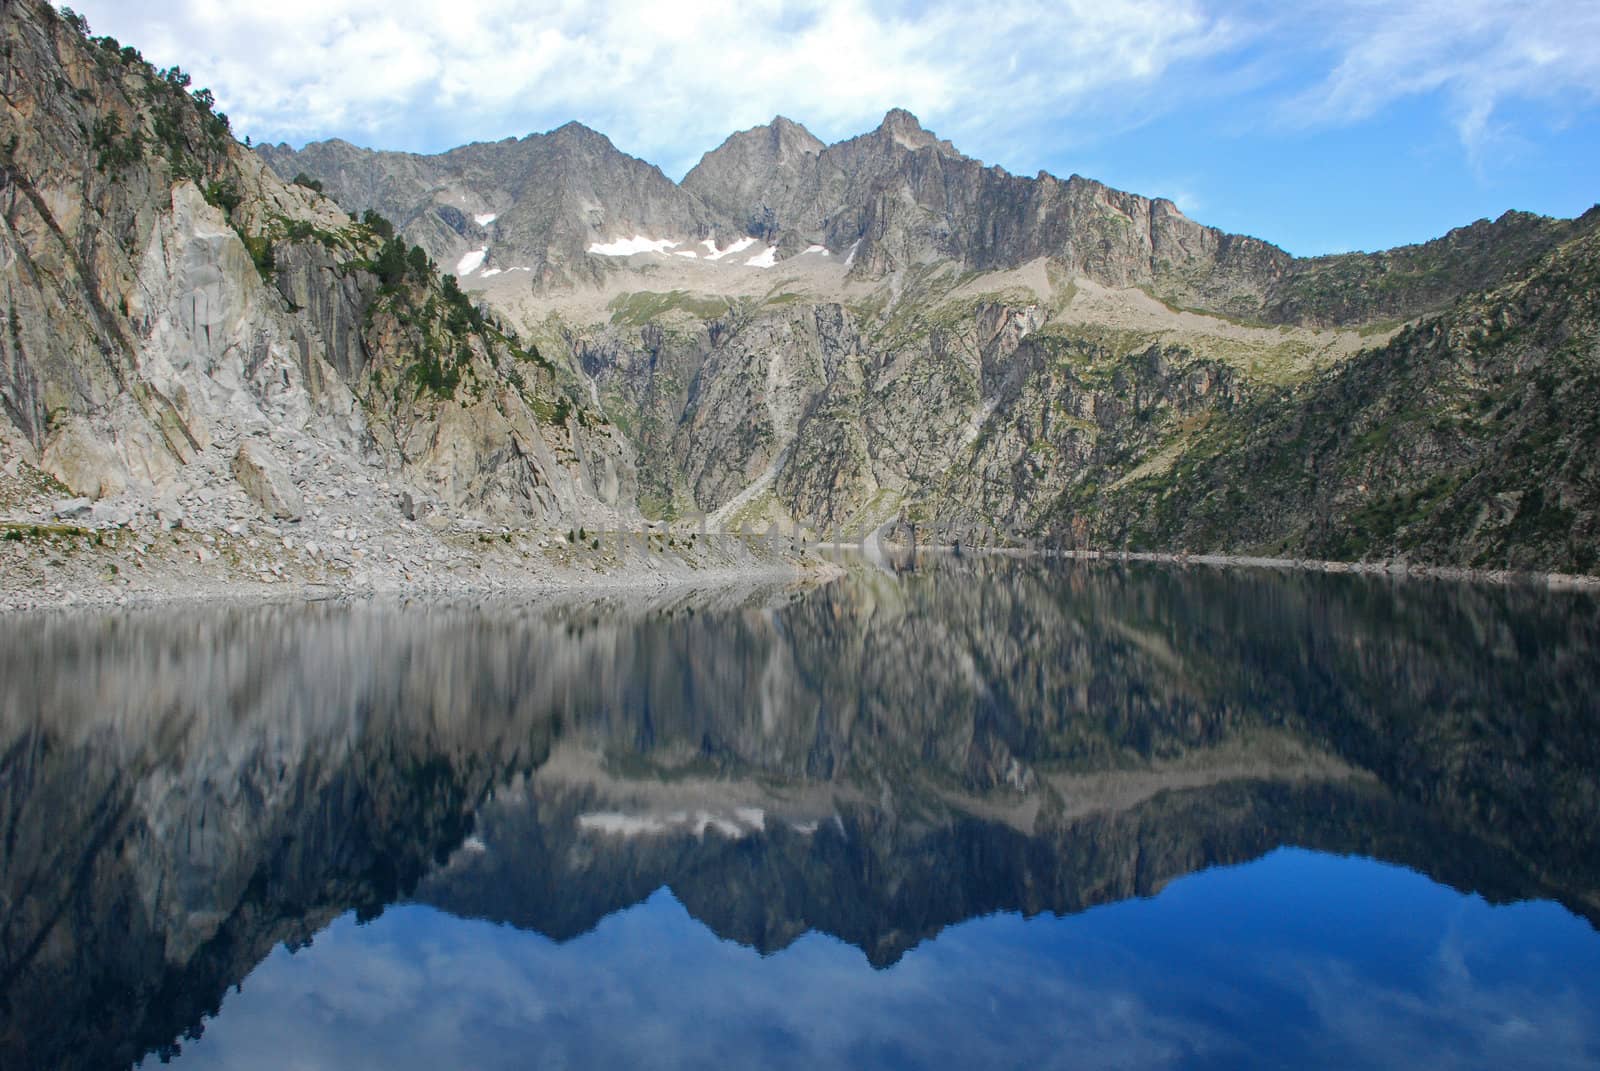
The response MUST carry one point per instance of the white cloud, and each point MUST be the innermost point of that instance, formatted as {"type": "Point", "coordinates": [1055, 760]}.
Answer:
{"type": "Point", "coordinates": [665, 81]}
{"type": "Point", "coordinates": [1005, 77]}
{"type": "Point", "coordinates": [1157, 983]}
{"type": "Point", "coordinates": [418, 990]}
{"type": "Point", "coordinates": [1479, 54]}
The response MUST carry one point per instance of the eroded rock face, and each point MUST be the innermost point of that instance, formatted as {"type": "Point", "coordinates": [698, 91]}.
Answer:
{"type": "Point", "coordinates": [163, 307]}
{"type": "Point", "coordinates": [535, 203]}
{"type": "Point", "coordinates": [266, 481]}
{"type": "Point", "coordinates": [819, 416]}
{"type": "Point", "coordinates": [81, 458]}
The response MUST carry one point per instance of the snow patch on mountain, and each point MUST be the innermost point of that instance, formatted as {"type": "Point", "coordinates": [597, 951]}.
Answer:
{"type": "Point", "coordinates": [713, 253]}
{"type": "Point", "coordinates": [627, 247]}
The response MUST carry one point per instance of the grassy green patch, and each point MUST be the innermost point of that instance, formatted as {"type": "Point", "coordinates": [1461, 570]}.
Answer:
{"type": "Point", "coordinates": [644, 307]}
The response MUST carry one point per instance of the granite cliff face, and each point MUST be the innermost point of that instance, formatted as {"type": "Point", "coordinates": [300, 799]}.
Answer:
{"type": "Point", "coordinates": [168, 300]}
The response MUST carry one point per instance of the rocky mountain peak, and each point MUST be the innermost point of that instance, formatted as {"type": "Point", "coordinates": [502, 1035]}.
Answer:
{"type": "Point", "coordinates": [573, 132]}
{"type": "Point", "coordinates": [898, 122]}
{"type": "Point", "coordinates": [575, 146]}
{"type": "Point", "coordinates": [905, 130]}
{"type": "Point", "coordinates": [534, 204]}
{"type": "Point", "coordinates": [780, 142]}
{"type": "Point", "coordinates": [754, 176]}
{"type": "Point", "coordinates": [789, 132]}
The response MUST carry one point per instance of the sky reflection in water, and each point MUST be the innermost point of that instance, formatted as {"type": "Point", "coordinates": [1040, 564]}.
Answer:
{"type": "Point", "coordinates": [1297, 959]}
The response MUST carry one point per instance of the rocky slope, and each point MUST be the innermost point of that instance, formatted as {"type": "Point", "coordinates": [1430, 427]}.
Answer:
{"type": "Point", "coordinates": [1472, 438]}
{"type": "Point", "coordinates": [186, 336]}
{"type": "Point", "coordinates": [927, 341]}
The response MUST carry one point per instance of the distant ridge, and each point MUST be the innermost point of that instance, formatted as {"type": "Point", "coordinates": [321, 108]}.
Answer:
{"type": "Point", "coordinates": [895, 197]}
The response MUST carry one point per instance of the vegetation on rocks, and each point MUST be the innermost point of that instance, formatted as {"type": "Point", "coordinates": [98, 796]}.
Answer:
{"type": "Point", "coordinates": [1470, 438]}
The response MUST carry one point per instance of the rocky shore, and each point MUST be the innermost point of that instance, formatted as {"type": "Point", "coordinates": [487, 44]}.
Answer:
{"type": "Point", "coordinates": [1554, 581]}
{"type": "Point", "coordinates": [354, 540]}
{"type": "Point", "coordinates": [56, 550]}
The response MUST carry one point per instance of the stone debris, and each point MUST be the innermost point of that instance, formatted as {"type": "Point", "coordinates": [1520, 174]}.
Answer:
{"type": "Point", "coordinates": [267, 482]}
{"type": "Point", "coordinates": [112, 514]}
{"type": "Point", "coordinates": [122, 553]}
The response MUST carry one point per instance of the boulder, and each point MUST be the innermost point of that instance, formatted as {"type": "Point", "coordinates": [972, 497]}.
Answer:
{"type": "Point", "coordinates": [84, 460]}
{"type": "Point", "coordinates": [266, 481]}
{"type": "Point", "coordinates": [112, 514]}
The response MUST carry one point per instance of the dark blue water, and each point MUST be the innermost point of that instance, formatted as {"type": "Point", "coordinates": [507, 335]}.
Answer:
{"type": "Point", "coordinates": [992, 814]}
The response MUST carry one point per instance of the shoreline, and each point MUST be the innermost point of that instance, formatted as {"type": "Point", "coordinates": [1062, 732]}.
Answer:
{"type": "Point", "coordinates": [59, 566]}
{"type": "Point", "coordinates": [1461, 574]}
{"type": "Point", "coordinates": [1500, 577]}
{"type": "Point", "coordinates": [62, 567]}
{"type": "Point", "coordinates": [540, 589]}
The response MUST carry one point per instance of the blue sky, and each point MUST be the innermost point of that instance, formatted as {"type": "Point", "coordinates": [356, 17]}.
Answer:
{"type": "Point", "coordinates": [1323, 125]}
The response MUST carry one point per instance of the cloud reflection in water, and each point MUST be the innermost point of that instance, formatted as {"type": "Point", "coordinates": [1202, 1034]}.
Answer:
{"type": "Point", "coordinates": [1314, 959]}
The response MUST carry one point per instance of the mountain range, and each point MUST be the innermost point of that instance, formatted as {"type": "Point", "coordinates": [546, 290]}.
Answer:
{"type": "Point", "coordinates": [880, 335]}
{"type": "Point", "coordinates": [889, 200]}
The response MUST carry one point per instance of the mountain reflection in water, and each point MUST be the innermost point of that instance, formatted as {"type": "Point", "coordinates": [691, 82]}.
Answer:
{"type": "Point", "coordinates": [878, 760]}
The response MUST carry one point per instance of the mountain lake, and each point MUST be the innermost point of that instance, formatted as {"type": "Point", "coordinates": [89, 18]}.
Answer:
{"type": "Point", "coordinates": [979, 811]}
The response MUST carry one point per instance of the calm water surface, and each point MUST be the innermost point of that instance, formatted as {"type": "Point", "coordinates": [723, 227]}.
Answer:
{"type": "Point", "coordinates": [971, 814]}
